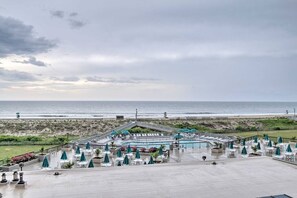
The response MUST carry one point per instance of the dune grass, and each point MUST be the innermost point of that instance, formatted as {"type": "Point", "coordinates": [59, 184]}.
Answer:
{"type": "Point", "coordinates": [277, 133]}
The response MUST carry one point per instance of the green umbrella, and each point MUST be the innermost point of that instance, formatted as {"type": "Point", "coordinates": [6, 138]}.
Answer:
{"type": "Point", "coordinates": [119, 153]}
{"type": "Point", "coordinates": [266, 137]}
{"type": "Point", "coordinates": [244, 151]}
{"type": "Point", "coordinates": [64, 156]}
{"type": "Point", "coordinates": [231, 145]}
{"type": "Point", "coordinates": [269, 143]}
{"type": "Point", "coordinates": [279, 140]}
{"type": "Point", "coordinates": [125, 132]}
{"type": "Point", "coordinates": [91, 164]}
{"type": "Point", "coordinates": [259, 146]}
{"type": "Point", "coordinates": [82, 157]}
{"type": "Point", "coordinates": [277, 151]}
{"type": "Point", "coordinates": [113, 133]}
{"type": "Point", "coordinates": [77, 151]}
{"type": "Point", "coordinates": [160, 151]}
{"type": "Point", "coordinates": [126, 160]}
{"type": "Point", "coordinates": [88, 146]}
{"type": "Point", "coordinates": [296, 145]}
{"type": "Point", "coordinates": [243, 142]}
{"type": "Point", "coordinates": [106, 159]}
{"type": "Point", "coordinates": [255, 139]}
{"type": "Point", "coordinates": [137, 155]}
{"type": "Point", "coordinates": [151, 160]}
{"type": "Point", "coordinates": [289, 150]}
{"type": "Point", "coordinates": [178, 136]}
{"type": "Point", "coordinates": [129, 149]}
{"type": "Point", "coordinates": [106, 147]}
{"type": "Point", "coordinates": [45, 163]}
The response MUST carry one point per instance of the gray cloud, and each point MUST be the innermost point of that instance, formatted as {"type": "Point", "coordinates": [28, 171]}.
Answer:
{"type": "Point", "coordinates": [66, 79]}
{"type": "Point", "coordinates": [75, 24]}
{"type": "Point", "coordinates": [131, 80]}
{"type": "Point", "coordinates": [18, 38]}
{"type": "Point", "coordinates": [57, 13]}
{"type": "Point", "coordinates": [33, 61]}
{"type": "Point", "coordinates": [73, 14]}
{"type": "Point", "coordinates": [15, 76]}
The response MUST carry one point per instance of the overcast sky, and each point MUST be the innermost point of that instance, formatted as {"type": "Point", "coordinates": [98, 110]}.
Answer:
{"type": "Point", "coordinates": [190, 50]}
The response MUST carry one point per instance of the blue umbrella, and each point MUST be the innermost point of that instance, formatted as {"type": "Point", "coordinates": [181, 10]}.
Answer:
{"type": "Point", "coordinates": [45, 163]}
{"type": "Point", "coordinates": [125, 132]}
{"type": "Point", "coordinates": [244, 151]}
{"type": "Point", "coordinates": [126, 160]}
{"type": "Point", "coordinates": [91, 164]}
{"type": "Point", "coordinates": [151, 160]}
{"type": "Point", "coordinates": [137, 155]}
{"type": "Point", "coordinates": [64, 156]}
{"type": "Point", "coordinates": [277, 151]}
{"type": "Point", "coordinates": [88, 146]}
{"type": "Point", "coordinates": [269, 143]}
{"type": "Point", "coordinates": [243, 142]}
{"type": "Point", "coordinates": [119, 153]}
{"type": "Point", "coordinates": [266, 137]}
{"type": "Point", "coordinates": [289, 150]}
{"type": "Point", "coordinates": [83, 157]}
{"type": "Point", "coordinates": [279, 140]}
{"type": "Point", "coordinates": [106, 147]}
{"type": "Point", "coordinates": [106, 159]}
{"type": "Point", "coordinates": [77, 151]}
{"type": "Point", "coordinates": [160, 151]}
{"type": "Point", "coordinates": [259, 146]}
{"type": "Point", "coordinates": [255, 139]}
{"type": "Point", "coordinates": [129, 149]}
{"type": "Point", "coordinates": [178, 136]}
{"type": "Point", "coordinates": [231, 145]}
{"type": "Point", "coordinates": [113, 133]}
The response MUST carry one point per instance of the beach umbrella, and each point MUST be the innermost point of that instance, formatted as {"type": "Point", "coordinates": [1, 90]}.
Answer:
{"type": "Point", "coordinates": [279, 140]}
{"type": "Point", "coordinates": [119, 153]}
{"type": "Point", "coordinates": [91, 164]}
{"type": "Point", "coordinates": [106, 159]}
{"type": "Point", "coordinates": [243, 151]}
{"type": "Point", "coordinates": [259, 146]}
{"type": "Point", "coordinates": [289, 150]}
{"type": "Point", "coordinates": [178, 136]}
{"type": "Point", "coordinates": [77, 151]}
{"type": "Point", "coordinates": [45, 163]}
{"type": "Point", "coordinates": [269, 143]}
{"type": "Point", "coordinates": [137, 155]}
{"type": "Point", "coordinates": [266, 137]}
{"type": "Point", "coordinates": [231, 145]}
{"type": "Point", "coordinates": [296, 145]}
{"type": "Point", "coordinates": [160, 151]}
{"type": "Point", "coordinates": [82, 157]}
{"type": "Point", "coordinates": [106, 147]}
{"type": "Point", "coordinates": [151, 160]}
{"type": "Point", "coordinates": [129, 149]}
{"type": "Point", "coordinates": [255, 139]}
{"type": "Point", "coordinates": [126, 160]}
{"type": "Point", "coordinates": [88, 146]}
{"type": "Point", "coordinates": [243, 142]}
{"type": "Point", "coordinates": [277, 151]}
{"type": "Point", "coordinates": [64, 156]}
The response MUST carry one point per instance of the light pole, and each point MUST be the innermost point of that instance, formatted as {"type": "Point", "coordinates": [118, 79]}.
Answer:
{"type": "Point", "coordinates": [294, 112]}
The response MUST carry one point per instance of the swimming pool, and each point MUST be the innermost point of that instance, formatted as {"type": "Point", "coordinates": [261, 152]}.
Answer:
{"type": "Point", "coordinates": [183, 144]}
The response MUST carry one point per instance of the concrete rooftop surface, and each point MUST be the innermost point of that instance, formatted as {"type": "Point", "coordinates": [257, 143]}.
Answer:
{"type": "Point", "coordinates": [253, 177]}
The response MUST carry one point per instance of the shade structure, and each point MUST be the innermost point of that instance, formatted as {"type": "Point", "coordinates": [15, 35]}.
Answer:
{"type": "Point", "coordinates": [106, 159]}
{"type": "Point", "coordinates": [125, 132]}
{"type": "Point", "coordinates": [64, 156]}
{"type": "Point", "coordinates": [137, 155]}
{"type": "Point", "coordinates": [88, 146]}
{"type": "Point", "coordinates": [77, 151]}
{"type": "Point", "coordinates": [160, 151]}
{"type": "Point", "coordinates": [279, 140]}
{"type": "Point", "coordinates": [106, 147]}
{"type": "Point", "coordinates": [91, 164]}
{"type": "Point", "coordinates": [129, 149]}
{"type": "Point", "coordinates": [269, 143]}
{"type": "Point", "coordinates": [186, 130]}
{"type": "Point", "coordinates": [113, 133]}
{"type": "Point", "coordinates": [243, 151]}
{"type": "Point", "coordinates": [289, 150]}
{"type": "Point", "coordinates": [83, 157]}
{"type": "Point", "coordinates": [119, 153]}
{"type": "Point", "coordinates": [231, 145]}
{"type": "Point", "coordinates": [126, 160]}
{"type": "Point", "coordinates": [255, 139]}
{"type": "Point", "coordinates": [178, 136]}
{"type": "Point", "coordinates": [151, 160]}
{"type": "Point", "coordinates": [45, 163]}
{"type": "Point", "coordinates": [243, 142]}
{"type": "Point", "coordinates": [259, 146]}
{"type": "Point", "coordinates": [277, 151]}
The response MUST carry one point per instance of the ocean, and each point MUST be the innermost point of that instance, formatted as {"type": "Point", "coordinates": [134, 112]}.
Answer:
{"type": "Point", "coordinates": [109, 109]}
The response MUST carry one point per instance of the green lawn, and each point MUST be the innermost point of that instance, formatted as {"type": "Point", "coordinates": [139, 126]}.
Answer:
{"type": "Point", "coordinates": [282, 133]}
{"type": "Point", "coordinates": [10, 151]}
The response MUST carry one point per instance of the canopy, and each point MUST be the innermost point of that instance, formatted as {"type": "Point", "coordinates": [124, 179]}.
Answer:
{"type": "Point", "coordinates": [178, 136]}
{"type": "Point", "coordinates": [77, 151]}
{"type": "Point", "coordinates": [243, 142]}
{"type": "Point", "coordinates": [126, 160]}
{"type": "Point", "coordinates": [279, 140]}
{"type": "Point", "coordinates": [231, 145]}
{"type": "Point", "coordinates": [125, 132]}
{"type": "Point", "coordinates": [289, 150]}
{"type": "Point", "coordinates": [151, 160]}
{"type": "Point", "coordinates": [259, 146]}
{"type": "Point", "coordinates": [91, 164]}
{"type": "Point", "coordinates": [88, 146]}
{"type": "Point", "coordinates": [185, 130]}
{"type": "Point", "coordinates": [113, 133]}
{"type": "Point", "coordinates": [255, 139]}
{"type": "Point", "coordinates": [45, 163]}
{"type": "Point", "coordinates": [137, 155]}
{"type": "Point", "coordinates": [243, 151]}
{"type": "Point", "coordinates": [277, 151]}
{"type": "Point", "coordinates": [106, 147]}
{"type": "Point", "coordinates": [82, 157]}
{"type": "Point", "coordinates": [269, 143]}
{"type": "Point", "coordinates": [119, 153]}
{"type": "Point", "coordinates": [106, 159]}
{"type": "Point", "coordinates": [64, 156]}
{"type": "Point", "coordinates": [129, 149]}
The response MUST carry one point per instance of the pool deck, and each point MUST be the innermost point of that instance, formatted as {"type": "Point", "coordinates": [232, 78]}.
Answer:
{"type": "Point", "coordinates": [253, 177]}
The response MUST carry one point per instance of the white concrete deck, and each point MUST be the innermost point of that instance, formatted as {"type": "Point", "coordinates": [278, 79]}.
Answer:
{"type": "Point", "coordinates": [251, 177]}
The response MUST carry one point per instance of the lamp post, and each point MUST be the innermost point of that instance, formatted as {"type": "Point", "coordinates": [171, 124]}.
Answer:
{"type": "Point", "coordinates": [21, 166]}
